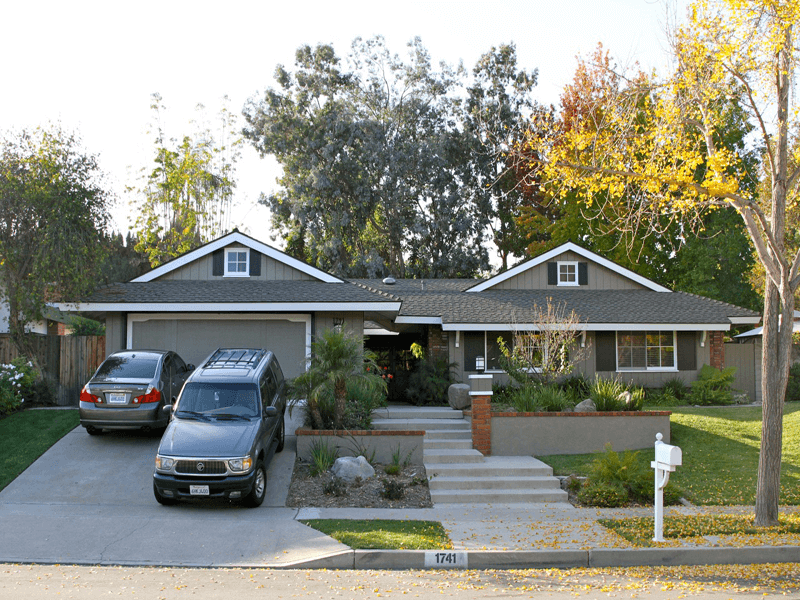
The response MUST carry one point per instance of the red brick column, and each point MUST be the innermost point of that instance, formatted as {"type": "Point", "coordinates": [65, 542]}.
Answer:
{"type": "Point", "coordinates": [438, 343]}
{"type": "Point", "coordinates": [481, 396]}
{"type": "Point", "coordinates": [716, 347]}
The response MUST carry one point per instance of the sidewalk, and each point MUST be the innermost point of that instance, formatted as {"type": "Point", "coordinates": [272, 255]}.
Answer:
{"type": "Point", "coordinates": [544, 536]}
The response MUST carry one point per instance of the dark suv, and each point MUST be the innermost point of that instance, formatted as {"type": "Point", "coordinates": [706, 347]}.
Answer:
{"type": "Point", "coordinates": [226, 425]}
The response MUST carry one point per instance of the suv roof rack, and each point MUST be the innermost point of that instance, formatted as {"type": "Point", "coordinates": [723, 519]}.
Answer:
{"type": "Point", "coordinates": [234, 358]}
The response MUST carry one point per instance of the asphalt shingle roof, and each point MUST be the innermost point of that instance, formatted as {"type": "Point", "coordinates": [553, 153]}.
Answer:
{"type": "Point", "coordinates": [235, 291]}
{"type": "Point", "coordinates": [447, 298]}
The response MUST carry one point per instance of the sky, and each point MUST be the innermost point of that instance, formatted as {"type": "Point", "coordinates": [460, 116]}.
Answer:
{"type": "Point", "coordinates": [92, 66]}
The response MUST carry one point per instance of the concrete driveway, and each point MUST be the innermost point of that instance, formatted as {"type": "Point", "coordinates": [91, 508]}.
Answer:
{"type": "Point", "coordinates": [89, 500]}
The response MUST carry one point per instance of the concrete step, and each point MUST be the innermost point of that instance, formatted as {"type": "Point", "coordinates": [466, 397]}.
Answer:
{"type": "Point", "coordinates": [448, 434]}
{"type": "Point", "coordinates": [497, 496]}
{"type": "Point", "coordinates": [442, 444]}
{"type": "Point", "coordinates": [417, 424]}
{"type": "Point", "coordinates": [483, 469]}
{"type": "Point", "coordinates": [417, 412]}
{"type": "Point", "coordinates": [493, 483]}
{"type": "Point", "coordinates": [449, 457]}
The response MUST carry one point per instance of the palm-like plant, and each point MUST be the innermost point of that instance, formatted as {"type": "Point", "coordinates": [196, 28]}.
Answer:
{"type": "Point", "coordinates": [336, 357]}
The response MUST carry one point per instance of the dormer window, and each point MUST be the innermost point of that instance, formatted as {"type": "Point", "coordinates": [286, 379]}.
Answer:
{"type": "Point", "coordinates": [568, 273]}
{"type": "Point", "coordinates": [237, 262]}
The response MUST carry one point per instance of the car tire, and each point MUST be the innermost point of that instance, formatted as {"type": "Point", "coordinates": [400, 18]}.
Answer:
{"type": "Point", "coordinates": [93, 430]}
{"type": "Point", "coordinates": [161, 499]}
{"type": "Point", "coordinates": [256, 496]}
{"type": "Point", "coordinates": [281, 435]}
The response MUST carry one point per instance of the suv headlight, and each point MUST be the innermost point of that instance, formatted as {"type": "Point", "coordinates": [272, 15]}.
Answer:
{"type": "Point", "coordinates": [164, 463]}
{"type": "Point", "coordinates": [240, 465]}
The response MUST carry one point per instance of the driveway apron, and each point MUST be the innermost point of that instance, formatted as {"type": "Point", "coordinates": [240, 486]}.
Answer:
{"type": "Point", "coordinates": [89, 500]}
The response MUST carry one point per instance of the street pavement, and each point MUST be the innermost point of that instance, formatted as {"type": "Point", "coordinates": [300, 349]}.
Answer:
{"type": "Point", "coordinates": [89, 500]}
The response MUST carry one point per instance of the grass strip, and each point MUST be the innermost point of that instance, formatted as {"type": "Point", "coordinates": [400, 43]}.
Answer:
{"type": "Point", "coordinates": [382, 534]}
{"type": "Point", "coordinates": [639, 530]}
{"type": "Point", "coordinates": [720, 455]}
{"type": "Point", "coordinates": [26, 435]}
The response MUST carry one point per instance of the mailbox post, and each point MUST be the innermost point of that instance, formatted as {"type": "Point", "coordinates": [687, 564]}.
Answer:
{"type": "Point", "coordinates": [667, 458]}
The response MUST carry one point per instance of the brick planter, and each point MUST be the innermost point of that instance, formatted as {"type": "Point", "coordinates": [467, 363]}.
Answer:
{"type": "Point", "coordinates": [382, 441]}
{"type": "Point", "coordinates": [540, 434]}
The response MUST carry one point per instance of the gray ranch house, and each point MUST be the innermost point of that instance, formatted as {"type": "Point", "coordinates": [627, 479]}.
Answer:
{"type": "Point", "coordinates": [238, 291]}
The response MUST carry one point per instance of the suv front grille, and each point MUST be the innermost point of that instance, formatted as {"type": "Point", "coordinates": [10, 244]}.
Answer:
{"type": "Point", "coordinates": [201, 467]}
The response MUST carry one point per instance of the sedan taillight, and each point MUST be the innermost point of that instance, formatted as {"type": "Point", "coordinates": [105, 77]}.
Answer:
{"type": "Point", "coordinates": [87, 397]}
{"type": "Point", "coordinates": [151, 395]}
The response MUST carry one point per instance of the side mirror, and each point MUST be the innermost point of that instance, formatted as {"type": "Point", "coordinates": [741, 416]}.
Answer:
{"type": "Point", "coordinates": [270, 411]}
{"type": "Point", "coordinates": [190, 367]}
{"type": "Point", "coordinates": [167, 409]}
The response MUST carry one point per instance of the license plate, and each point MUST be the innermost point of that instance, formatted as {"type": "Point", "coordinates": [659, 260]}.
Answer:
{"type": "Point", "coordinates": [116, 398]}
{"type": "Point", "coordinates": [198, 490]}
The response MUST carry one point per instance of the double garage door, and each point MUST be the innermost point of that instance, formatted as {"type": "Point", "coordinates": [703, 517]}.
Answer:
{"type": "Point", "coordinates": [195, 337]}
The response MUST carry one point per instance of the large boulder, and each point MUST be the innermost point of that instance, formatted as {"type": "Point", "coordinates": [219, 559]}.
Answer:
{"type": "Point", "coordinates": [458, 396]}
{"type": "Point", "coordinates": [586, 406]}
{"type": "Point", "coordinates": [351, 468]}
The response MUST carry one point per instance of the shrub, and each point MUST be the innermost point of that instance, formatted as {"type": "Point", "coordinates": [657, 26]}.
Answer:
{"type": "Point", "coordinates": [677, 387]}
{"type": "Point", "coordinates": [361, 401]}
{"type": "Point", "coordinates": [501, 393]}
{"type": "Point", "coordinates": [393, 489]}
{"type": "Point", "coordinates": [608, 495]}
{"type": "Point", "coordinates": [551, 398]}
{"type": "Point", "coordinates": [665, 397]}
{"type": "Point", "coordinates": [605, 394]}
{"type": "Point", "coordinates": [713, 386]}
{"type": "Point", "coordinates": [323, 455]}
{"type": "Point", "coordinates": [17, 384]}
{"type": "Point", "coordinates": [428, 382]}
{"type": "Point", "coordinates": [622, 478]}
{"type": "Point", "coordinates": [577, 387]}
{"type": "Point", "coordinates": [335, 486]}
{"type": "Point", "coordinates": [84, 326]}
{"type": "Point", "coordinates": [793, 388]}
{"type": "Point", "coordinates": [523, 398]}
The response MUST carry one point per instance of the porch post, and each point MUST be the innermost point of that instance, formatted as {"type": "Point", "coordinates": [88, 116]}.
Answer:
{"type": "Point", "coordinates": [481, 396]}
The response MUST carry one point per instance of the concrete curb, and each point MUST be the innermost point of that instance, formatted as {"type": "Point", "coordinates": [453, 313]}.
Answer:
{"type": "Point", "coordinates": [550, 559]}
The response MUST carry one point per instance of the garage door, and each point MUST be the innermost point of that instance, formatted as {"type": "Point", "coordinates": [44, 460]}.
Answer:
{"type": "Point", "coordinates": [195, 338]}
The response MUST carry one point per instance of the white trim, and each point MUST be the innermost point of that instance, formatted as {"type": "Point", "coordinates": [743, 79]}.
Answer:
{"type": "Point", "coordinates": [646, 369]}
{"type": "Point", "coordinates": [588, 326]}
{"type": "Point", "coordinates": [420, 321]}
{"type": "Point", "coordinates": [567, 247]}
{"type": "Point", "coordinates": [745, 320]}
{"type": "Point", "coordinates": [481, 376]}
{"type": "Point", "coordinates": [143, 317]}
{"type": "Point", "coordinates": [246, 272]}
{"type": "Point", "coordinates": [195, 307]}
{"type": "Point", "coordinates": [560, 283]}
{"type": "Point", "coordinates": [245, 240]}
{"type": "Point", "coordinates": [489, 393]}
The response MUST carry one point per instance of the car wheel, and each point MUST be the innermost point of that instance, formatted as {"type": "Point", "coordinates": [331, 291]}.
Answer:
{"type": "Point", "coordinates": [161, 499]}
{"type": "Point", "coordinates": [93, 430]}
{"type": "Point", "coordinates": [281, 435]}
{"type": "Point", "coordinates": [259, 491]}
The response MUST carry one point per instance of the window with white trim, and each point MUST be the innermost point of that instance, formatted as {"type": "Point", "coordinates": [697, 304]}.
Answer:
{"type": "Point", "coordinates": [237, 262]}
{"type": "Point", "coordinates": [646, 351]}
{"type": "Point", "coordinates": [568, 273]}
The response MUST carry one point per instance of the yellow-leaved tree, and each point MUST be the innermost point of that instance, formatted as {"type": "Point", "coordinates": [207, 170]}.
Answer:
{"type": "Point", "coordinates": [653, 148]}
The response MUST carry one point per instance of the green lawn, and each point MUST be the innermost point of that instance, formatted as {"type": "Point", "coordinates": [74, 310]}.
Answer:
{"type": "Point", "coordinates": [384, 534]}
{"type": "Point", "coordinates": [720, 454]}
{"type": "Point", "coordinates": [26, 435]}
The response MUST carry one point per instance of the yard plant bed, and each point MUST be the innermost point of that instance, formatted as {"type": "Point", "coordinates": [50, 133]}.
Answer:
{"type": "Point", "coordinates": [723, 530]}
{"type": "Point", "coordinates": [720, 454]}
{"type": "Point", "coordinates": [307, 490]}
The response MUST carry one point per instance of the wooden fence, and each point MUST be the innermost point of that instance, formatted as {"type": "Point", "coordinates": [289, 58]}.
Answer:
{"type": "Point", "coordinates": [748, 367]}
{"type": "Point", "coordinates": [67, 361]}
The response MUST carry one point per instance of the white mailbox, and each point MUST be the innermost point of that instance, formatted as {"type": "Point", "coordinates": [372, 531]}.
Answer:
{"type": "Point", "coordinates": [668, 456]}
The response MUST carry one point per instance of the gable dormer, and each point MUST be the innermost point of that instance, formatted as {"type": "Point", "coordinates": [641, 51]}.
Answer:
{"type": "Point", "coordinates": [236, 257]}
{"type": "Point", "coordinates": [568, 267]}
